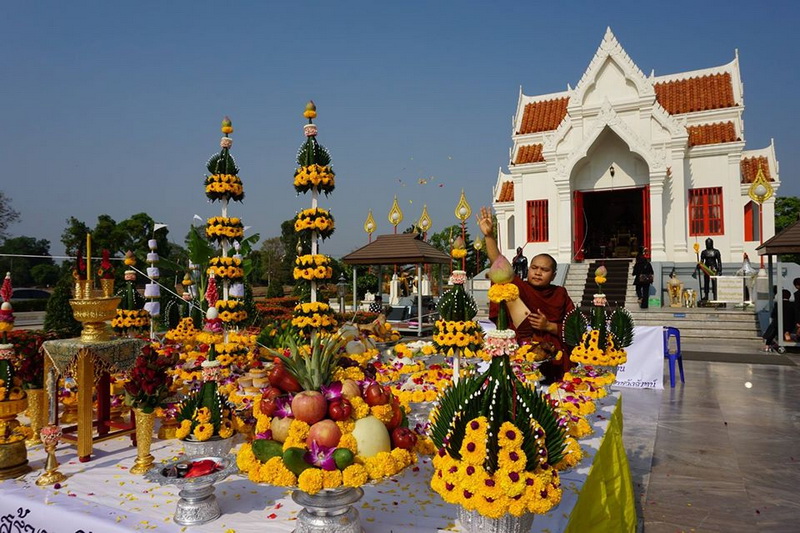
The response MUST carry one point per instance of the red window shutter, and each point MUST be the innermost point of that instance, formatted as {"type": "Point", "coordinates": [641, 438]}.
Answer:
{"type": "Point", "coordinates": [705, 211]}
{"type": "Point", "coordinates": [538, 223]}
{"type": "Point", "coordinates": [751, 221]}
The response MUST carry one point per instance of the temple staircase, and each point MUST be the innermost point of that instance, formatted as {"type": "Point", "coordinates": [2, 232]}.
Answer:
{"type": "Point", "coordinates": [697, 324]}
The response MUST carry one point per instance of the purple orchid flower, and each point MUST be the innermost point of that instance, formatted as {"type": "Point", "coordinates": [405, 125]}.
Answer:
{"type": "Point", "coordinates": [320, 456]}
{"type": "Point", "coordinates": [283, 406]}
{"type": "Point", "coordinates": [332, 391]}
{"type": "Point", "coordinates": [265, 435]}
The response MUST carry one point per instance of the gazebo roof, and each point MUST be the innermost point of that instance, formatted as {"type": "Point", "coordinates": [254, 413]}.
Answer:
{"type": "Point", "coordinates": [785, 242]}
{"type": "Point", "coordinates": [403, 249]}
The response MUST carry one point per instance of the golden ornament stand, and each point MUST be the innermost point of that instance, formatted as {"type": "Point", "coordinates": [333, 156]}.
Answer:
{"type": "Point", "coordinates": [51, 475]}
{"type": "Point", "coordinates": [93, 313]}
{"type": "Point", "coordinates": [14, 455]}
{"type": "Point", "coordinates": [144, 438]}
{"type": "Point", "coordinates": [37, 414]}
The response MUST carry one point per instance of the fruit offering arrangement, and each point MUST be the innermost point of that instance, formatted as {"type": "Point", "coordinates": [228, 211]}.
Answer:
{"type": "Point", "coordinates": [315, 433]}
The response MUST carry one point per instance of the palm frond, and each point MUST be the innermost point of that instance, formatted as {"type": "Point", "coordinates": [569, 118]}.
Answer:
{"type": "Point", "coordinates": [575, 325]}
{"type": "Point", "coordinates": [621, 326]}
{"type": "Point", "coordinates": [540, 410]}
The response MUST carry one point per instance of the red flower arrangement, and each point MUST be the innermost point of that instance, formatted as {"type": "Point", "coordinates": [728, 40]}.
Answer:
{"type": "Point", "coordinates": [30, 360]}
{"type": "Point", "coordinates": [148, 381]}
{"type": "Point", "coordinates": [106, 270]}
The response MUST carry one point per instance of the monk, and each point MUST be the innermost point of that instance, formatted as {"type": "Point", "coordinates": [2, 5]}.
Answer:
{"type": "Point", "coordinates": [548, 303]}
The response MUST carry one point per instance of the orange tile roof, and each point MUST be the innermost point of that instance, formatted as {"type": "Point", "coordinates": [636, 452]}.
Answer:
{"type": "Point", "coordinates": [506, 192]}
{"type": "Point", "coordinates": [543, 116]}
{"type": "Point", "coordinates": [720, 132]}
{"type": "Point", "coordinates": [713, 91]}
{"type": "Point", "coordinates": [530, 153]}
{"type": "Point", "coordinates": [750, 166]}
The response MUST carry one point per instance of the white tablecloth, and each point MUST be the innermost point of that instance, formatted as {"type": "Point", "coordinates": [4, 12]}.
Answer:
{"type": "Point", "coordinates": [101, 496]}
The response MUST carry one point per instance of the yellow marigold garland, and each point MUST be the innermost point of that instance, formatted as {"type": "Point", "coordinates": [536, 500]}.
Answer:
{"type": "Point", "coordinates": [226, 268]}
{"type": "Point", "coordinates": [308, 177]}
{"type": "Point", "coordinates": [221, 228]}
{"type": "Point", "coordinates": [224, 187]}
{"type": "Point", "coordinates": [503, 292]}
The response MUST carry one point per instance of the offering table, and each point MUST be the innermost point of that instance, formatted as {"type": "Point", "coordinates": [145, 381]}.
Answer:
{"type": "Point", "coordinates": [103, 496]}
{"type": "Point", "coordinates": [90, 363]}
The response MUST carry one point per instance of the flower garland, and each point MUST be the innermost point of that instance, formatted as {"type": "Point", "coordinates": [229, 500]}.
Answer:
{"type": "Point", "coordinates": [226, 268]}
{"type": "Point", "coordinates": [589, 352]}
{"type": "Point", "coordinates": [599, 377]}
{"type": "Point", "coordinates": [224, 228]}
{"type": "Point", "coordinates": [503, 292]}
{"type": "Point", "coordinates": [537, 352]}
{"type": "Point", "coordinates": [183, 333]}
{"type": "Point", "coordinates": [500, 342]}
{"type": "Point", "coordinates": [224, 187]}
{"type": "Point", "coordinates": [510, 488]}
{"type": "Point", "coordinates": [312, 267]}
{"type": "Point", "coordinates": [458, 253]}
{"type": "Point", "coordinates": [466, 335]}
{"type": "Point", "coordinates": [321, 177]}
{"type": "Point", "coordinates": [315, 219]}
{"type": "Point", "coordinates": [231, 312]}
{"type": "Point", "coordinates": [576, 387]}
{"type": "Point", "coordinates": [130, 319]}
{"type": "Point", "coordinates": [313, 315]}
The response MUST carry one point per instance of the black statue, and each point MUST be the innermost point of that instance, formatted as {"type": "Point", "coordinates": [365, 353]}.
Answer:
{"type": "Point", "coordinates": [711, 259]}
{"type": "Point", "coordinates": [520, 264]}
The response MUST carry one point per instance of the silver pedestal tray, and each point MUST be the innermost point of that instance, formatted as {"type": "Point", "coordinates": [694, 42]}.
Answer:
{"type": "Point", "coordinates": [328, 511]}
{"type": "Point", "coordinates": [197, 504]}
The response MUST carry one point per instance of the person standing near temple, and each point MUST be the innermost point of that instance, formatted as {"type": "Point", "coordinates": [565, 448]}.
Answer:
{"type": "Point", "coordinates": [642, 278]}
{"type": "Point", "coordinates": [520, 264]}
{"type": "Point", "coordinates": [548, 303]}
{"type": "Point", "coordinates": [711, 259]}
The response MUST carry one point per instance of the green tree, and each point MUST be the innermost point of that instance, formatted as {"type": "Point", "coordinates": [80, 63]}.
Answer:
{"type": "Point", "coordinates": [273, 269]}
{"type": "Point", "coordinates": [290, 241]}
{"type": "Point", "coordinates": [7, 215]}
{"type": "Point", "coordinates": [20, 267]}
{"type": "Point", "coordinates": [74, 236]}
{"type": "Point", "coordinates": [442, 241]}
{"type": "Point", "coordinates": [787, 210]}
{"type": "Point", "coordinates": [58, 316]}
{"type": "Point", "coordinates": [45, 275]}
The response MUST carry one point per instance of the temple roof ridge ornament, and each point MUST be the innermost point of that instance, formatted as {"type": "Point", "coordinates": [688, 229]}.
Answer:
{"type": "Point", "coordinates": [610, 48]}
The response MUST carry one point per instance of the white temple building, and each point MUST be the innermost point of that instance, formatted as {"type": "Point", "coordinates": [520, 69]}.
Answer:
{"type": "Point", "coordinates": [625, 160]}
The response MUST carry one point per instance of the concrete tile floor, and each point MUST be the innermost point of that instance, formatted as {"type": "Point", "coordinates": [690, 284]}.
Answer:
{"type": "Point", "coordinates": [724, 454]}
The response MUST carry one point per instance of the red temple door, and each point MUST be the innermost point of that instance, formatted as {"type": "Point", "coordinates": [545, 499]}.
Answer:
{"type": "Point", "coordinates": [579, 229]}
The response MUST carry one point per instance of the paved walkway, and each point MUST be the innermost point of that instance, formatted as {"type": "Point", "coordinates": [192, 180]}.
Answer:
{"type": "Point", "coordinates": [723, 455]}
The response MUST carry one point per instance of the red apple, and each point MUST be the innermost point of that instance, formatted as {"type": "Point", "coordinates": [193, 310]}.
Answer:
{"type": "Point", "coordinates": [310, 406]}
{"type": "Point", "coordinates": [404, 438]}
{"type": "Point", "coordinates": [280, 428]}
{"type": "Point", "coordinates": [376, 395]}
{"type": "Point", "coordinates": [340, 409]}
{"type": "Point", "coordinates": [397, 417]}
{"type": "Point", "coordinates": [268, 396]}
{"type": "Point", "coordinates": [324, 433]}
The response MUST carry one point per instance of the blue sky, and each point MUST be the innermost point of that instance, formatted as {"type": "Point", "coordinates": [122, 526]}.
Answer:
{"type": "Point", "coordinates": [112, 107]}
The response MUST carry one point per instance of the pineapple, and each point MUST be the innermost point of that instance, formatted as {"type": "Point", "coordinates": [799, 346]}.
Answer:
{"type": "Point", "coordinates": [313, 364]}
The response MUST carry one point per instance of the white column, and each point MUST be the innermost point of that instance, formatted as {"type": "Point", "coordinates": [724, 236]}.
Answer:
{"type": "Point", "coordinates": [561, 218]}
{"type": "Point", "coordinates": [657, 252]}
{"type": "Point", "coordinates": [678, 214]}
